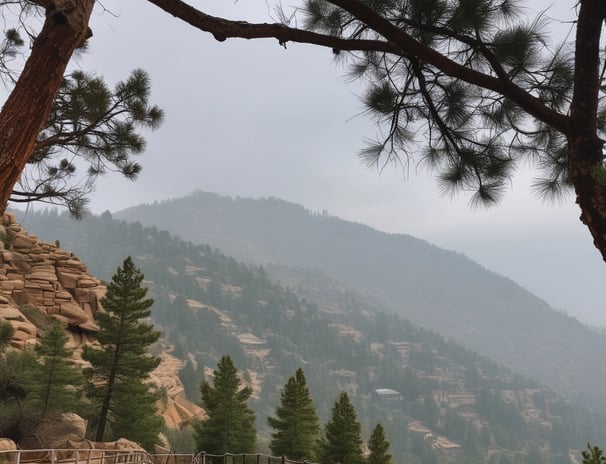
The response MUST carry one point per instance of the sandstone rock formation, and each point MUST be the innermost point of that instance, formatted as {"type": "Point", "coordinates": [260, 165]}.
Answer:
{"type": "Point", "coordinates": [40, 281]}
{"type": "Point", "coordinates": [176, 410]}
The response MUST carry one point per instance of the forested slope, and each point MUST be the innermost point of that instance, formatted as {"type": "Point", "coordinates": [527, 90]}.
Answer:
{"type": "Point", "coordinates": [437, 289]}
{"type": "Point", "coordinates": [452, 403]}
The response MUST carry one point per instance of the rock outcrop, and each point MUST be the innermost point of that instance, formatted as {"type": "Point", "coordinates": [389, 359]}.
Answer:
{"type": "Point", "coordinates": [40, 281]}
{"type": "Point", "coordinates": [176, 410]}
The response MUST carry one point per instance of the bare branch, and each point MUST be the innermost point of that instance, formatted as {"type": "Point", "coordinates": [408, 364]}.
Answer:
{"type": "Point", "coordinates": [223, 29]}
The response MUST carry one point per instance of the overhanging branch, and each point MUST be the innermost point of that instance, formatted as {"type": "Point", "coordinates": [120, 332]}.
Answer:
{"type": "Point", "coordinates": [397, 42]}
{"type": "Point", "coordinates": [223, 29]}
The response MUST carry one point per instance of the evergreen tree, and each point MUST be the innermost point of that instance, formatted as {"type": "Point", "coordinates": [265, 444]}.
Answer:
{"type": "Point", "coordinates": [122, 359]}
{"type": "Point", "coordinates": [229, 427]}
{"type": "Point", "coordinates": [16, 368]}
{"type": "Point", "coordinates": [141, 411]}
{"type": "Point", "coordinates": [593, 455]}
{"type": "Point", "coordinates": [94, 124]}
{"type": "Point", "coordinates": [378, 447]}
{"type": "Point", "coordinates": [296, 425]}
{"type": "Point", "coordinates": [342, 442]}
{"type": "Point", "coordinates": [56, 380]}
{"type": "Point", "coordinates": [6, 333]}
{"type": "Point", "coordinates": [437, 68]}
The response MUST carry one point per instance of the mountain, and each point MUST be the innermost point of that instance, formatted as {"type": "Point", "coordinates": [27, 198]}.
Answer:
{"type": "Point", "coordinates": [437, 401]}
{"type": "Point", "coordinates": [437, 289]}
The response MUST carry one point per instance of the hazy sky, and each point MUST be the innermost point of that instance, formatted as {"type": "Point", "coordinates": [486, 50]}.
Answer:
{"type": "Point", "coordinates": [251, 118]}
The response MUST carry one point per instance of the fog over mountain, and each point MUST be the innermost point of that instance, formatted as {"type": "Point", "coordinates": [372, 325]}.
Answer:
{"type": "Point", "coordinates": [435, 288]}
{"type": "Point", "coordinates": [450, 404]}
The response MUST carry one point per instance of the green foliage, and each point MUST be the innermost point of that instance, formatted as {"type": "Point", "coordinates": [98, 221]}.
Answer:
{"type": "Point", "coordinates": [593, 455]}
{"type": "Point", "coordinates": [94, 125]}
{"type": "Point", "coordinates": [56, 381]}
{"type": "Point", "coordinates": [297, 330]}
{"type": "Point", "coordinates": [16, 371]}
{"type": "Point", "coordinates": [5, 239]}
{"type": "Point", "coordinates": [229, 427]}
{"type": "Point", "coordinates": [342, 442]}
{"type": "Point", "coordinates": [296, 426]}
{"type": "Point", "coordinates": [410, 96]}
{"type": "Point", "coordinates": [6, 334]}
{"type": "Point", "coordinates": [37, 385]}
{"type": "Point", "coordinates": [378, 447]}
{"type": "Point", "coordinates": [135, 413]}
{"type": "Point", "coordinates": [191, 378]}
{"type": "Point", "coordinates": [116, 378]}
{"type": "Point", "coordinates": [181, 440]}
{"type": "Point", "coordinates": [39, 318]}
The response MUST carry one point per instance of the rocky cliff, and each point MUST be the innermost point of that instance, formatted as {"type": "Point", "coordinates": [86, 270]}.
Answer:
{"type": "Point", "coordinates": [40, 281]}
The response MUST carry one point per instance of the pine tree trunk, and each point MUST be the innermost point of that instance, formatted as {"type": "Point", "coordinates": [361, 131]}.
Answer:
{"type": "Point", "coordinates": [29, 104]}
{"type": "Point", "coordinates": [586, 149]}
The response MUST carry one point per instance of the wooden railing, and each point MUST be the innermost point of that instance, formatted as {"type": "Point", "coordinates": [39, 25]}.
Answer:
{"type": "Point", "coordinates": [75, 456]}
{"type": "Point", "coordinates": [229, 458]}
{"type": "Point", "coordinates": [109, 456]}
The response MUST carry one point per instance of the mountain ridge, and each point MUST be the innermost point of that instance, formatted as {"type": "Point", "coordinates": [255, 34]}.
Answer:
{"type": "Point", "coordinates": [452, 404]}
{"type": "Point", "coordinates": [438, 289]}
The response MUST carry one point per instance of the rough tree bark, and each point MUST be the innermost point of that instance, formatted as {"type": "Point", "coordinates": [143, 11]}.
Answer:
{"type": "Point", "coordinates": [586, 148]}
{"type": "Point", "coordinates": [27, 107]}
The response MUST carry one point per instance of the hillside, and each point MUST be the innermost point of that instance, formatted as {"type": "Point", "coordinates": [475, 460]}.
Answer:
{"type": "Point", "coordinates": [437, 289]}
{"type": "Point", "coordinates": [40, 281]}
{"type": "Point", "coordinates": [437, 401]}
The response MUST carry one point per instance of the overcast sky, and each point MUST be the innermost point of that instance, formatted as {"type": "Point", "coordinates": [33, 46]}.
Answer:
{"type": "Point", "coordinates": [253, 119]}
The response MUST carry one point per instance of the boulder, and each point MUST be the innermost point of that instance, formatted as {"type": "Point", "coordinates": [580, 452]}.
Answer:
{"type": "Point", "coordinates": [6, 444]}
{"type": "Point", "coordinates": [10, 313]}
{"type": "Point", "coordinates": [72, 312]}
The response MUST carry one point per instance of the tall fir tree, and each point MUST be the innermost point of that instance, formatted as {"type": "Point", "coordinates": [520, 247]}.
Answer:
{"type": "Point", "coordinates": [123, 358]}
{"type": "Point", "coordinates": [342, 442]}
{"type": "Point", "coordinates": [57, 381]}
{"type": "Point", "coordinates": [378, 447]}
{"type": "Point", "coordinates": [230, 425]}
{"type": "Point", "coordinates": [296, 425]}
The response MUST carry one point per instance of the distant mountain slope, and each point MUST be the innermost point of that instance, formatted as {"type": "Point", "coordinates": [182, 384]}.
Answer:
{"type": "Point", "coordinates": [439, 403]}
{"type": "Point", "coordinates": [437, 289]}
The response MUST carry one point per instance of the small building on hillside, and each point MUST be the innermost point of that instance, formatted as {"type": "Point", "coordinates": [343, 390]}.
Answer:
{"type": "Point", "coordinates": [386, 396]}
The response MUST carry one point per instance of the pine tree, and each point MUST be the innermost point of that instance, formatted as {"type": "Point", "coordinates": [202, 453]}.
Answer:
{"type": "Point", "coordinates": [135, 404]}
{"type": "Point", "coordinates": [122, 359]}
{"type": "Point", "coordinates": [378, 447]}
{"type": "Point", "coordinates": [296, 425]}
{"type": "Point", "coordinates": [57, 380]}
{"type": "Point", "coordinates": [593, 455]}
{"type": "Point", "coordinates": [342, 442]}
{"type": "Point", "coordinates": [16, 373]}
{"type": "Point", "coordinates": [229, 427]}
{"type": "Point", "coordinates": [442, 69]}
{"type": "Point", "coordinates": [92, 124]}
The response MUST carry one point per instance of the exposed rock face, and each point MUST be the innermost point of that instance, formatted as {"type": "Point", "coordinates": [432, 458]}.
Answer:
{"type": "Point", "coordinates": [176, 410]}
{"type": "Point", "coordinates": [40, 279]}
